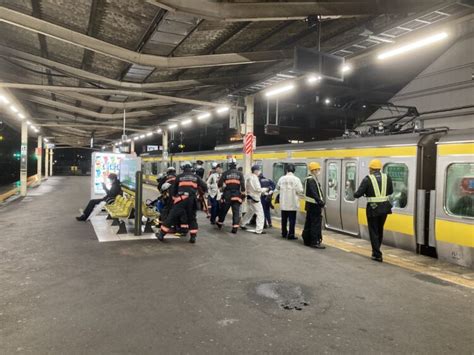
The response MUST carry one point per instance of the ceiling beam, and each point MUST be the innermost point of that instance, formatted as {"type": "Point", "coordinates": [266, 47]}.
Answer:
{"type": "Point", "coordinates": [81, 40]}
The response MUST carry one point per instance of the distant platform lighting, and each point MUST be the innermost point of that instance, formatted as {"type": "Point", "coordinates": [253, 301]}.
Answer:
{"type": "Point", "coordinates": [136, 138]}
{"type": "Point", "coordinates": [203, 116]}
{"type": "Point", "coordinates": [22, 116]}
{"type": "Point", "coordinates": [346, 68]}
{"type": "Point", "coordinates": [4, 99]}
{"type": "Point", "coordinates": [149, 134]}
{"type": "Point", "coordinates": [14, 109]}
{"type": "Point", "coordinates": [414, 45]}
{"type": "Point", "coordinates": [327, 100]}
{"type": "Point", "coordinates": [46, 140]}
{"type": "Point", "coordinates": [280, 90]}
{"type": "Point", "coordinates": [142, 136]}
{"type": "Point", "coordinates": [313, 79]}
{"type": "Point", "coordinates": [103, 147]}
{"type": "Point", "coordinates": [186, 122]}
{"type": "Point", "coordinates": [223, 109]}
{"type": "Point", "coordinates": [173, 126]}
{"type": "Point", "coordinates": [159, 130]}
{"type": "Point", "coordinates": [28, 123]}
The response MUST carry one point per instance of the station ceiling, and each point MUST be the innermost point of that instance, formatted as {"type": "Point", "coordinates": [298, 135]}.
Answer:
{"type": "Point", "coordinates": [79, 64]}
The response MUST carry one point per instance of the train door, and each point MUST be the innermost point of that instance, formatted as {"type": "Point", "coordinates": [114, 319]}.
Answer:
{"type": "Point", "coordinates": [340, 185]}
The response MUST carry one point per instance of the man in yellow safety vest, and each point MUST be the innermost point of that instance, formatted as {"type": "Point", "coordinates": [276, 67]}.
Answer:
{"type": "Point", "coordinates": [376, 187]}
{"type": "Point", "coordinates": [313, 195]}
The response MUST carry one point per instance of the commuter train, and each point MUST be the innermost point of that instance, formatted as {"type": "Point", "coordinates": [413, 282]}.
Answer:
{"type": "Point", "coordinates": [432, 173]}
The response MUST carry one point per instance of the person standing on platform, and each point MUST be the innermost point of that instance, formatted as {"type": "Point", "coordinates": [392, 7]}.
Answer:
{"type": "Point", "coordinates": [184, 195]}
{"type": "Point", "coordinates": [254, 203]}
{"type": "Point", "coordinates": [268, 186]}
{"type": "Point", "coordinates": [313, 195]}
{"type": "Point", "coordinates": [376, 186]}
{"type": "Point", "coordinates": [233, 185]}
{"type": "Point", "coordinates": [214, 191]}
{"type": "Point", "coordinates": [110, 195]}
{"type": "Point", "coordinates": [200, 169]}
{"type": "Point", "coordinates": [289, 189]}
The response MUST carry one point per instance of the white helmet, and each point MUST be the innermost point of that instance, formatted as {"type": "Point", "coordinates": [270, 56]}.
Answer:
{"type": "Point", "coordinates": [186, 165]}
{"type": "Point", "coordinates": [214, 165]}
{"type": "Point", "coordinates": [232, 161]}
{"type": "Point", "coordinates": [165, 186]}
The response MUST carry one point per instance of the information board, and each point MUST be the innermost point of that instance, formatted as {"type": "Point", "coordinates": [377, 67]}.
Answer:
{"type": "Point", "coordinates": [128, 169]}
{"type": "Point", "coordinates": [102, 165]}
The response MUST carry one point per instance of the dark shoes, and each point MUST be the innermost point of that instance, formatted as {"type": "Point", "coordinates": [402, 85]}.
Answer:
{"type": "Point", "coordinates": [81, 218]}
{"type": "Point", "coordinates": [234, 230]}
{"type": "Point", "coordinates": [292, 237]}
{"type": "Point", "coordinates": [160, 237]}
{"type": "Point", "coordinates": [219, 225]}
{"type": "Point", "coordinates": [317, 246]}
{"type": "Point", "coordinates": [192, 240]}
{"type": "Point", "coordinates": [377, 258]}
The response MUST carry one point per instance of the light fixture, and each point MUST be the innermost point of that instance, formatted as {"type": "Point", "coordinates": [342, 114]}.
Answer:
{"type": "Point", "coordinates": [103, 147]}
{"type": "Point", "coordinates": [142, 136]}
{"type": "Point", "coordinates": [186, 122]}
{"type": "Point", "coordinates": [136, 138]}
{"type": "Point", "coordinates": [149, 134]}
{"type": "Point", "coordinates": [22, 116]}
{"type": "Point", "coordinates": [312, 79]}
{"type": "Point", "coordinates": [46, 140]}
{"type": "Point", "coordinates": [4, 99]}
{"type": "Point", "coordinates": [159, 130]}
{"type": "Point", "coordinates": [173, 126]}
{"type": "Point", "coordinates": [280, 90]}
{"type": "Point", "coordinates": [203, 116]}
{"type": "Point", "coordinates": [223, 109]}
{"type": "Point", "coordinates": [327, 101]}
{"type": "Point", "coordinates": [128, 140]}
{"type": "Point", "coordinates": [33, 127]}
{"type": "Point", "coordinates": [414, 45]}
{"type": "Point", "coordinates": [14, 109]}
{"type": "Point", "coordinates": [346, 68]}
{"type": "Point", "coordinates": [364, 106]}
{"type": "Point", "coordinates": [28, 123]}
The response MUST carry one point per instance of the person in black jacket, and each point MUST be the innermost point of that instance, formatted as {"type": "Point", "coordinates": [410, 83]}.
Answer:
{"type": "Point", "coordinates": [313, 195]}
{"type": "Point", "coordinates": [169, 178]}
{"type": "Point", "coordinates": [184, 195]}
{"type": "Point", "coordinates": [376, 187]}
{"type": "Point", "coordinates": [111, 193]}
{"type": "Point", "coordinates": [200, 169]}
{"type": "Point", "coordinates": [233, 184]}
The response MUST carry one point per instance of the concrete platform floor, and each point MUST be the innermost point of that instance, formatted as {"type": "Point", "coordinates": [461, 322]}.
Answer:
{"type": "Point", "coordinates": [63, 292]}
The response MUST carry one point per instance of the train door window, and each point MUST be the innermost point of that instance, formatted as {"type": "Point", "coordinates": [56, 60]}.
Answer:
{"type": "Point", "coordinates": [350, 181]}
{"type": "Point", "coordinates": [398, 172]}
{"type": "Point", "coordinates": [332, 180]}
{"type": "Point", "coordinates": [278, 171]}
{"type": "Point", "coordinates": [459, 191]}
{"type": "Point", "coordinates": [301, 170]}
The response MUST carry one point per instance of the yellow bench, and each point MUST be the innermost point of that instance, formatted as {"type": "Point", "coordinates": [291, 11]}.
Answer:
{"type": "Point", "coordinates": [150, 215]}
{"type": "Point", "coordinates": [119, 211]}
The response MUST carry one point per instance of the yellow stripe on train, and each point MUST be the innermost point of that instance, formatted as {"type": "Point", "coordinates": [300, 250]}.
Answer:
{"type": "Point", "coordinates": [456, 149]}
{"type": "Point", "coordinates": [396, 222]}
{"type": "Point", "coordinates": [357, 152]}
{"type": "Point", "coordinates": [455, 232]}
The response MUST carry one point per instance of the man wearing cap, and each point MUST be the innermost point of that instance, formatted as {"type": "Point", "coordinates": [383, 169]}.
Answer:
{"type": "Point", "coordinates": [254, 203]}
{"type": "Point", "coordinates": [313, 195]}
{"type": "Point", "coordinates": [376, 187]}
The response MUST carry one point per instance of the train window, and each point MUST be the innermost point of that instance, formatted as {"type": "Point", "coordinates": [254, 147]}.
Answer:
{"type": "Point", "coordinates": [154, 168]}
{"type": "Point", "coordinates": [332, 180]}
{"type": "Point", "coordinates": [459, 192]}
{"type": "Point", "coordinates": [350, 183]}
{"type": "Point", "coordinates": [278, 171]}
{"type": "Point", "coordinates": [301, 171]}
{"type": "Point", "coordinates": [398, 172]}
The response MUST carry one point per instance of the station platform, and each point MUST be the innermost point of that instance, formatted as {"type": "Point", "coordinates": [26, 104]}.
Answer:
{"type": "Point", "coordinates": [65, 292]}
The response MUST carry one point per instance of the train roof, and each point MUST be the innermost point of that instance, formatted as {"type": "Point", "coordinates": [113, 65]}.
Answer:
{"type": "Point", "coordinates": [458, 136]}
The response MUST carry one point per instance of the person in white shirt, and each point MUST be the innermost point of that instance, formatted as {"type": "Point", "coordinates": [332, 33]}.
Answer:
{"type": "Point", "coordinates": [254, 204]}
{"type": "Point", "coordinates": [289, 188]}
{"type": "Point", "coordinates": [214, 192]}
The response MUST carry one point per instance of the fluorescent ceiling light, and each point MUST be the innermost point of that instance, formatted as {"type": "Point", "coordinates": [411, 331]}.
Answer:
{"type": "Point", "coordinates": [186, 122]}
{"type": "Point", "coordinates": [415, 45]}
{"type": "Point", "coordinates": [203, 116]}
{"type": "Point", "coordinates": [22, 116]}
{"type": "Point", "coordinates": [173, 126]}
{"type": "Point", "coordinates": [136, 138]}
{"type": "Point", "coordinates": [280, 90]}
{"type": "Point", "coordinates": [46, 140]}
{"type": "Point", "coordinates": [4, 99]}
{"type": "Point", "coordinates": [346, 68]}
{"type": "Point", "coordinates": [149, 134]}
{"type": "Point", "coordinates": [103, 147]}
{"type": "Point", "coordinates": [223, 109]}
{"type": "Point", "coordinates": [312, 79]}
{"type": "Point", "coordinates": [128, 140]}
{"type": "Point", "coordinates": [33, 127]}
{"type": "Point", "coordinates": [28, 123]}
{"type": "Point", "coordinates": [159, 130]}
{"type": "Point", "coordinates": [36, 130]}
{"type": "Point", "coordinates": [142, 136]}
{"type": "Point", "coordinates": [14, 109]}
{"type": "Point", "coordinates": [327, 101]}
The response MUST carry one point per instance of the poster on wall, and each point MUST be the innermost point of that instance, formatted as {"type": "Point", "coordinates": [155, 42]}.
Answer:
{"type": "Point", "coordinates": [102, 165]}
{"type": "Point", "coordinates": [128, 169]}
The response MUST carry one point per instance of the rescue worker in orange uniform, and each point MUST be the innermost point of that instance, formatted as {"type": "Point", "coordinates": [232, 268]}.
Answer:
{"type": "Point", "coordinates": [376, 187]}
{"type": "Point", "coordinates": [184, 194]}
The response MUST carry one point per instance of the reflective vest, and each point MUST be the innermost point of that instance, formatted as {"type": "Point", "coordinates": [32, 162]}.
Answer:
{"type": "Point", "coordinates": [310, 199]}
{"type": "Point", "coordinates": [380, 196]}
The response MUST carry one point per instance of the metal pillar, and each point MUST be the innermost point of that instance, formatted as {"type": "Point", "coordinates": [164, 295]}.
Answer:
{"type": "Point", "coordinates": [24, 159]}
{"type": "Point", "coordinates": [51, 159]}
{"type": "Point", "coordinates": [39, 158]}
{"type": "Point", "coordinates": [132, 147]}
{"type": "Point", "coordinates": [46, 163]}
{"type": "Point", "coordinates": [249, 125]}
{"type": "Point", "coordinates": [165, 148]}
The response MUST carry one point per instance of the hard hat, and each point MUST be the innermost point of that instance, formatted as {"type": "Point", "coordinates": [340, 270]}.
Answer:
{"type": "Point", "coordinates": [375, 164]}
{"type": "Point", "coordinates": [232, 161]}
{"type": "Point", "coordinates": [165, 186]}
{"type": "Point", "coordinates": [170, 169]}
{"type": "Point", "coordinates": [255, 168]}
{"type": "Point", "coordinates": [314, 165]}
{"type": "Point", "coordinates": [186, 165]}
{"type": "Point", "coordinates": [214, 165]}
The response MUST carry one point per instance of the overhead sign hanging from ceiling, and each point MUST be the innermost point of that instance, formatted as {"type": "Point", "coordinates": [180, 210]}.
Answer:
{"type": "Point", "coordinates": [311, 61]}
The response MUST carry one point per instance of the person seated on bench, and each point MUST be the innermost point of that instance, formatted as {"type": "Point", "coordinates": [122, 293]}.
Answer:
{"type": "Point", "coordinates": [111, 193]}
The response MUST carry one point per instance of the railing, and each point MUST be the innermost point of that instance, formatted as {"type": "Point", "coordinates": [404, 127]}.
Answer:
{"type": "Point", "coordinates": [16, 189]}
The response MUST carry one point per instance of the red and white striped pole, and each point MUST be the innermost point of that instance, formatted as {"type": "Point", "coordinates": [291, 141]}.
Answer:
{"type": "Point", "coordinates": [249, 124]}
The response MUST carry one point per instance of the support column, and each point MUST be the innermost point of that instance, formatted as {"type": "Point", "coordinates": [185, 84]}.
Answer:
{"type": "Point", "coordinates": [46, 163]}
{"type": "Point", "coordinates": [24, 159]}
{"type": "Point", "coordinates": [249, 126]}
{"type": "Point", "coordinates": [51, 159]}
{"type": "Point", "coordinates": [39, 158]}
{"type": "Point", "coordinates": [164, 143]}
{"type": "Point", "coordinates": [132, 146]}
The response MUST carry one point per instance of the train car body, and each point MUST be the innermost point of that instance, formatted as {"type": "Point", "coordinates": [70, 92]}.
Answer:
{"type": "Point", "coordinates": [409, 159]}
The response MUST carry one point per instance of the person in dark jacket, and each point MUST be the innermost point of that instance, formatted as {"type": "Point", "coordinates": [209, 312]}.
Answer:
{"type": "Point", "coordinates": [110, 194]}
{"type": "Point", "coordinates": [200, 169]}
{"type": "Point", "coordinates": [233, 184]}
{"type": "Point", "coordinates": [184, 194]}
{"type": "Point", "coordinates": [376, 186]}
{"type": "Point", "coordinates": [268, 187]}
{"type": "Point", "coordinates": [313, 195]}
{"type": "Point", "coordinates": [169, 178]}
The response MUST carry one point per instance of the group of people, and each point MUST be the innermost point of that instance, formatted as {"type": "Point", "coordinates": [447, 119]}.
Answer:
{"type": "Point", "coordinates": [222, 191]}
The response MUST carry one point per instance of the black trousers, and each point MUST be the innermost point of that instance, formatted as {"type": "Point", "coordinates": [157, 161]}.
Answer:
{"type": "Point", "coordinates": [288, 216]}
{"type": "Point", "coordinates": [312, 234]}
{"type": "Point", "coordinates": [182, 216]}
{"type": "Point", "coordinates": [224, 208]}
{"type": "Point", "coordinates": [90, 206]}
{"type": "Point", "coordinates": [376, 233]}
{"type": "Point", "coordinates": [266, 211]}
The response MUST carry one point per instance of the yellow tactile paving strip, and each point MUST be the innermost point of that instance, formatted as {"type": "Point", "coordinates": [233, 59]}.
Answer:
{"type": "Point", "coordinates": [407, 260]}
